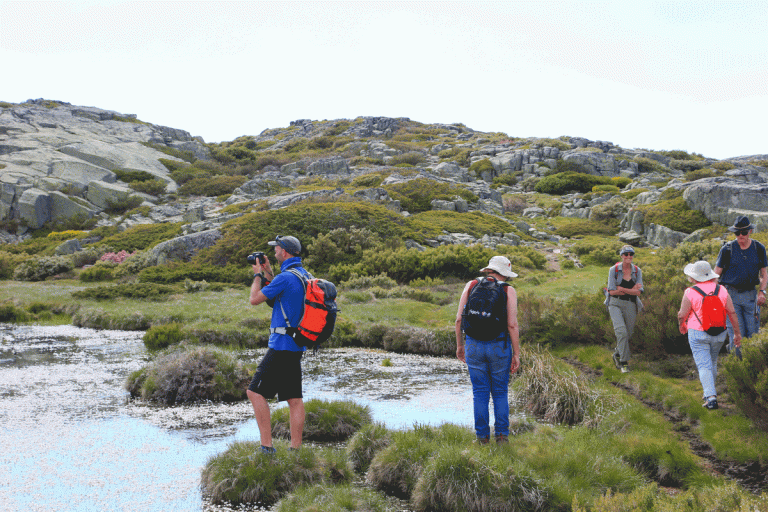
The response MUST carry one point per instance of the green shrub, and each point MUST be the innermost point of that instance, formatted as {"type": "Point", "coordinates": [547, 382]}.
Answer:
{"type": "Point", "coordinates": [417, 195]}
{"type": "Point", "coordinates": [570, 227]}
{"type": "Point", "coordinates": [367, 180]}
{"type": "Point", "coordinates": [362, 282]}
{"type": "Point", "coordinates": [11, 314]}
{"type": "Point", "coordinates": [129, 176]}
{"type": "Point", "coordinates": [565, 182]}
{"type": "Point", "coordinates": [162, 336]}
{"type": "Point", "coordinates": [612, 209]}
{"type": "Point", "coordinates": [686, 165]}
{"type": "Point", "coordinates": [633, 193]}
{"type": "Point", "coordinates": [503, 180]}
{"type": "Point", "coordinates": [9, 262]}
{"type": "Point", "coordinates": [176, 272]}
{"type": "Point", "coordinates": [365, 444]}
{"type": "Point", "coordinates": [151, 187]}
{"type": "Point", "coordinates": [211, 186]}
{"type": "Point", "coordinates": [38, 269]}
{"type": "Point", "coordinates": [699, 174]}
{"type": "Point", "coordinates": [142, 236]}
{"type": "Point", "coordinates": [480, 166]}
{"type": "Point", "coordinates": [747, 379]}
{"type": "Point", "coordinates": [143, 291]}
{"type": "Point", "coordinates": [242, 474]}
{"type": "Point", "coordinates": [41, 246]}
{"type": "Point", "coordinates": [621, 181]}
{"type": "Point", "coordinates": [723, 166]}
{"type": "Point", "coordinates": [104, 272]}
{"type": "Point", "coordinates": [122, 205]}
{"type": "Point", "coordinates": [613, 189]}
{"type": "Point", "coordinates": [324, 421]}
{"type": "Point", "coordinates": [674, 214]}
{"type": "Point", "coordinates": [412, 158]}
{"type": "Point", "coordinates": [190, 374]}
{"type": "Point", "coordinates": [649, 165]}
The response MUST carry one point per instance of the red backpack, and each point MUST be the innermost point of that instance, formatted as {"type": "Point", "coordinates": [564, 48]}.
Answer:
{"type": "Point", "coordinates": [319, 316]}
{"type": "Point", "coordinates": [712, 311]}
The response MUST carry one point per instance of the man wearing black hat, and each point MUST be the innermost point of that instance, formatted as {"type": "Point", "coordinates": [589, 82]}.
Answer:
{"type": "Point", "coordinates": [279, 372]}
{"type": "Point", "coordinates": [742, 265]}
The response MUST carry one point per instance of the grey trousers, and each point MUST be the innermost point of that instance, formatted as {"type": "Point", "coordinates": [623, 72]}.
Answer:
{"type": "Point", "coordinates": [623, 315]}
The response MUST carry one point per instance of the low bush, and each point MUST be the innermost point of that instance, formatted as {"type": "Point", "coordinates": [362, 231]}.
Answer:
{"type": "Point", "coordinates": [687, 165]}
{"type": "Point", "coordinates": [417, 195]}
{"type": "Point", "coordinates": [648, 165]}
{"type": "Point", "coordinates": [699, 174]}
{"type": "Point", "coordinates": [38, 269]}
{"type": "Point", "coordinates": [411, 158]}
{"type": "Point", "coordinates": [151, 187]}
{"type": "Point", "coordinates": [324, 421]}
{"type": "Point", "coordinates": [162, 336]}
{"type": "Point", "coordinates": [621, 181]}
{"type": "Point", "coordinates": [176, 272]}
{"type": "Point", "coordinates": [100, 319]}
{"type": "Point", "coordinates": [244, 475]}
{"type": "Point", "coordinates": [747, 379]}
{"type": "Point", "coordinates": [503, 180]}
{"type": "Point", "coordinates": [211, 186]}
{"type": "Point", "coordinates": [480, 166]}
{"type": "Point", "coordinates": [633, 193]}
{"type": "Point", "coordinates": [11, 314]}
{"type": "Point", "coordinates": [365, 444]}
{"type": "Point", "coordinates": [363, 282]}
{"type": "Point", "coordinates": [367, 180]}
{"type": "Point", "coordinates": [143, 291]}
{"type": "Point", "coordinates": [570, 227]}
{"type": "Point", "coordinates": [142, 236]}
{"type": "Point", "coordinates": [612, 189]}
{"type": "Point", "coordinates": [565, 182]}
{"type": "Point", "coordinates": [722, 166]}
{"type": "Point", "coordinates": [97, 273]}
{"type": "Point", "coordinates": [674, 214]}
{"type": "Point", "coordinates": [9, 262]}
{"type": "Point", "coordinates": [122, 205]}
{"type": "Point", "coordinates": [190, 374]}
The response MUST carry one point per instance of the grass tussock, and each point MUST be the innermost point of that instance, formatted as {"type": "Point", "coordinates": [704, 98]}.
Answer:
{"type": "Point", "coordinates": [365, 444]}
{"type": "Point", "coordinates": [320, 498]}
{"type": "Point", "coordinates": [325, 420]}
{"type": "Point", "coordinates": [242, 474]}
{"type": "Point", "coordinates": [190, 374]}
{"type": "Point", "coordinates": [558, 394]}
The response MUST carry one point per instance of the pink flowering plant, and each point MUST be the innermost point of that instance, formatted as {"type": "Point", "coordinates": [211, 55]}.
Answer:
{"type": "Point", "coordinates": [117, 257]}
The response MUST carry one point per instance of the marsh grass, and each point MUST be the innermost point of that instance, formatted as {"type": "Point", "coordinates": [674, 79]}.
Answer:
{"type": "Point", "coordinates": [325, 420]}
{"type": "Point", "coordinates": [242, 474]}
{"type": "Point", "coordinates": [556, 393]}
{"type": "Point", "coordinates": [365, 444]}
{"type": "Point", "coordinates": [189, 374]}
{"type": "Point", "coordinates": [341, 498]}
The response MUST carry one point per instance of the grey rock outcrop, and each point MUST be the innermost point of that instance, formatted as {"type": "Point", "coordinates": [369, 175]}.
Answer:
{"type": "Point", "coordinates": [723, 200]}
{"type": "Point", "coordinates": [183, 247]}
{"type": "Point", "coordinates": [54, 146]}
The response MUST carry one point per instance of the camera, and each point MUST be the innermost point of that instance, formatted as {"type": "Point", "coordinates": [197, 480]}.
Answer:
{"type": "Point", "coordinates": [257, 256]}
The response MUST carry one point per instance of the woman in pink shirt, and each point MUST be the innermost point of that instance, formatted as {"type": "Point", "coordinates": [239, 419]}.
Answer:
{"type": "Point", "coordinates": [705, 346]}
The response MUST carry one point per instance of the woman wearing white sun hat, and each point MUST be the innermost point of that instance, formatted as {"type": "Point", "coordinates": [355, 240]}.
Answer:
{"type": "Point", "coordinates": [487, 316]}
{"type": "Point", "coordinates": [692, 318]}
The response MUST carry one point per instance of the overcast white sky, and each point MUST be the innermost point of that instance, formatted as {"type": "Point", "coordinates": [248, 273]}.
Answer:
{"type": "Point", "coordinates": [657, 75]}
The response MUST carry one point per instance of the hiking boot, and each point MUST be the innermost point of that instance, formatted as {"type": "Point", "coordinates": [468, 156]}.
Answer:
{"type": "Point", "coordinates": [268, 450]}
{"type": "Point", "coordinates": [482, 440]}
{"type": "Point", "coordinates": [502, 439]}
{"type": "Point", "coordinates": [616, 360]}
{"type": "Point", "coordinates": [624, 368]}
{"type": "Point", "coordinates": [711, 404]}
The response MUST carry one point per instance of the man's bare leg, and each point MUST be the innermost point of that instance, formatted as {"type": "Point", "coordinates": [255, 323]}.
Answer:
{"type": "Point", "coordinates": [296, 410]}
{"type": "Point", "coordinates": [263, 417]}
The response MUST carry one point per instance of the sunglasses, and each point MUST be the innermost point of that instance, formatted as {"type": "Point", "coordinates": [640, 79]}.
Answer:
{"type": "Point", "coordinates": [628, 254]}
{"type": "Point", "coordinates": [742, 232]}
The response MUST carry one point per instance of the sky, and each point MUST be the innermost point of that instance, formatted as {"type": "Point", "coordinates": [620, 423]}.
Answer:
{"type": "Point", "coordinates": [675, 75]}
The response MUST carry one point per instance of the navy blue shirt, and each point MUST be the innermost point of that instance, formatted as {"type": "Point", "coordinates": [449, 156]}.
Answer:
{"type": "Point", "coordinates": [288, 290]}
{"type": "Point", "coordinates": [741, 268]}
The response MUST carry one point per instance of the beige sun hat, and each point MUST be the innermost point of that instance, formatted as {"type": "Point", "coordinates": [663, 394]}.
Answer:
{"type": "Point", "coordinates": [700, 271]}
{"type": "Point", "coordinates": [501, 265]}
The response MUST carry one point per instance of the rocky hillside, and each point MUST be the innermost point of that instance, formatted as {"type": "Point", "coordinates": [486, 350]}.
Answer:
{"type": "Point", "coordinates": [69, 167]}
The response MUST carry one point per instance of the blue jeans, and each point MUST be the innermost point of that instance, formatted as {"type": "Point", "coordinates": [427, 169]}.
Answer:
{"type": "Point", "coordinates": [705, 349]}
{"type": "Point", "coordinates": [488, 363]}
{"type": "Point", "coordinates": [747, 311]}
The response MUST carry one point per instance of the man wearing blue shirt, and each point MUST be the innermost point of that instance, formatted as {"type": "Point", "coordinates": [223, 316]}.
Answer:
{"type": "Point", "coordinates": [279, 372]}
{"type": "Point", "coordinates": [741, 265]}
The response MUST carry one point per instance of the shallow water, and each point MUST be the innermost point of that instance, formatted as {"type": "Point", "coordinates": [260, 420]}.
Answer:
{"type": "Point", "coordinates": [72, 439]}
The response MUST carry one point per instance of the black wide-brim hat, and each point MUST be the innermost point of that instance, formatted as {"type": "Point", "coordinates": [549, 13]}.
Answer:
{"type": "Point", "coordinates": [741, 223]}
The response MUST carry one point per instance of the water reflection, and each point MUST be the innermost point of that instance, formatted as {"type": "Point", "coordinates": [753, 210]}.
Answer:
{"type": "Point", "coordinates": [73, 440]}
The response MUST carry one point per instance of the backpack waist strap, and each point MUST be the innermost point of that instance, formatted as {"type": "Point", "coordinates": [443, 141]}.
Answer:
{"type": "Point", "coordinates": [278, 330]}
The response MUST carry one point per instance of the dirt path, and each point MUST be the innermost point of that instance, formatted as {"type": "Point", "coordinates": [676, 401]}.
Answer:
{"type": "Point", "coordinates": [752, 476]}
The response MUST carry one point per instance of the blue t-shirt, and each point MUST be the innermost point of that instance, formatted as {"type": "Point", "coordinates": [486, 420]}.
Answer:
{"type": "Point", "coordinates": [741, 268]}
{"type": "Point", "coordinates": [286, 289]}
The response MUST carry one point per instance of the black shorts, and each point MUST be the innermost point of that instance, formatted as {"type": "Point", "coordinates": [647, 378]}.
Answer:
{"type": "Point", "coordinates": [279, 373]}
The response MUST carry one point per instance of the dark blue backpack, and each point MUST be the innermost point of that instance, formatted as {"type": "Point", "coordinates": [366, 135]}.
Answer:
{"type": "Point", "coordinates": [485, 314]}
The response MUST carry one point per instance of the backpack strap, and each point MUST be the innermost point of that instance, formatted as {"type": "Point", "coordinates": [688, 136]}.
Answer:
{"type": "Point", "coordinates": [303, 279]}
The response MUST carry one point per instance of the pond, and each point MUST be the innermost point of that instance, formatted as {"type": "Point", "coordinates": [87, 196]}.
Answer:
{"type": "Point", "coordinates": [72, 439]}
